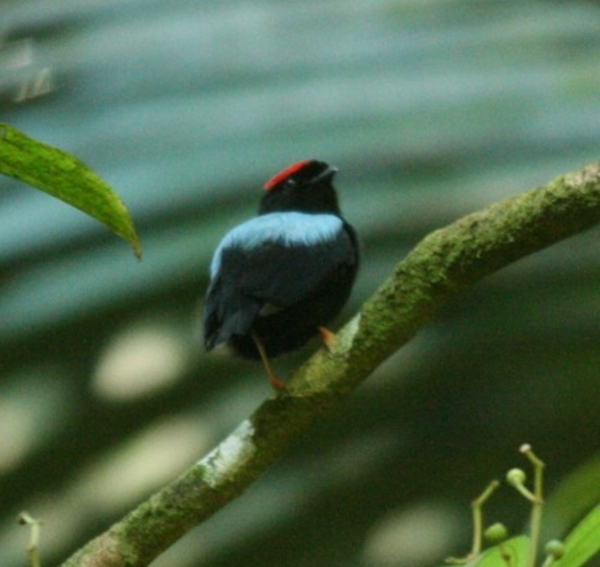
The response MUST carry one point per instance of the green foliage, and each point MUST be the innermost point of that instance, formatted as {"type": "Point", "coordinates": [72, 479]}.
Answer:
{"type": "Point", "coordinates": [513, 552]}
{"type": "Point", "coordinates": [579, 546]}
{"type": "Point", "coordinates": [64, 177]}
{"type": "Point", "coordinates": [583, 542]}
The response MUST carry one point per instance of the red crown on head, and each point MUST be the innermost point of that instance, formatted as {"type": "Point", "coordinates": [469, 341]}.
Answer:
{"type": "Point", "coordinates": [287, 172]}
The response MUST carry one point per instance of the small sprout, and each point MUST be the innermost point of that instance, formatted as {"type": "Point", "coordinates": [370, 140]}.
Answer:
{"type": "Point", "coordinates": [496, 533]}
{"type": "Point", "coordinates": [555, 548]}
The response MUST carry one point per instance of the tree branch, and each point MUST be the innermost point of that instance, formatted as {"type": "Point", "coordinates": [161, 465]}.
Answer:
{"type": "Point", "coordinates": [440, 266]}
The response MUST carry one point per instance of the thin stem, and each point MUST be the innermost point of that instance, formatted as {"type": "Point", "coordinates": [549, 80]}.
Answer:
{"type": "Point", "coordinates": [34, 537]}
{"type": "Point", "coordinates": [537, 506]}
{"type": "Point", "coordinates": [477, 509]}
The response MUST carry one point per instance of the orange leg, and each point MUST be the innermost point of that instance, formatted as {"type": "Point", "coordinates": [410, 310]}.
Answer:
{"type": "Point", "coordinates": [328, 337]}
{"type": "Point", "coordinates": [275, 382]}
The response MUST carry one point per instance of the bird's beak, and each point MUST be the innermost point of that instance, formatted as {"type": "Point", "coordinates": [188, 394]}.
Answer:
{"type": "Point", "coordinates": [325, 175]}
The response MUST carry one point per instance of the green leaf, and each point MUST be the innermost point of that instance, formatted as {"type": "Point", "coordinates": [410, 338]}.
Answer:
{"type": "Point", "coordinates": [572, 499]}
{"type": "Point", "coordinates": [66, 178]}
{"type": "Point", "coordinates": [513, 552]}
{"type": "Point", "coordinates": [583, 542]}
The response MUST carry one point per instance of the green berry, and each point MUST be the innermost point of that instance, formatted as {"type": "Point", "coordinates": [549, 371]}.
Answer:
{"type": "Point", "coordinates": [555, 548]}
{"type": "Point", "coordinates": [516, 477]}
{"type": "Point", "coordinates": [496, 533]}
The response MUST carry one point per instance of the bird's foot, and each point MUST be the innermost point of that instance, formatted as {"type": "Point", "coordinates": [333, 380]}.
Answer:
{"type": "Point", "coordinates": [328, 337]}
{"type": "Point", "coordinates": [278, 385]}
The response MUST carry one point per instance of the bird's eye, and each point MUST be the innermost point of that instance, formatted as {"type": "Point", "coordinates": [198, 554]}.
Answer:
{"type": "Point", "coordinates": [290, 183]}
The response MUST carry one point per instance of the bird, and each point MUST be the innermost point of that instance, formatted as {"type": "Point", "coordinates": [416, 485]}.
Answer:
{"type": "Point", "coordinates": [278, 279]}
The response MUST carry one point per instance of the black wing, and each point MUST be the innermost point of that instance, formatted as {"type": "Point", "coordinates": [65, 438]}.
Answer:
{"type": "Point", "coordinates": [282, 275]}
{"type": "Point", "coordinates": [274, 274]}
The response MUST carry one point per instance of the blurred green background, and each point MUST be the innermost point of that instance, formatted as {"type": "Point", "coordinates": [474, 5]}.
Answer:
{"type": "Point", "coordinates": [430, 110]}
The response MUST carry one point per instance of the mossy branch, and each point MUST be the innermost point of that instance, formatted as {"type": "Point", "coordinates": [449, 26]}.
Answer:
{"type": "Point", "coordinates": [441, 265]}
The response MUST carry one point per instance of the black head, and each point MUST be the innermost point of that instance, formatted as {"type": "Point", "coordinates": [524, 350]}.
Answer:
{"type": "Point", "coordinates": [304, 187]}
